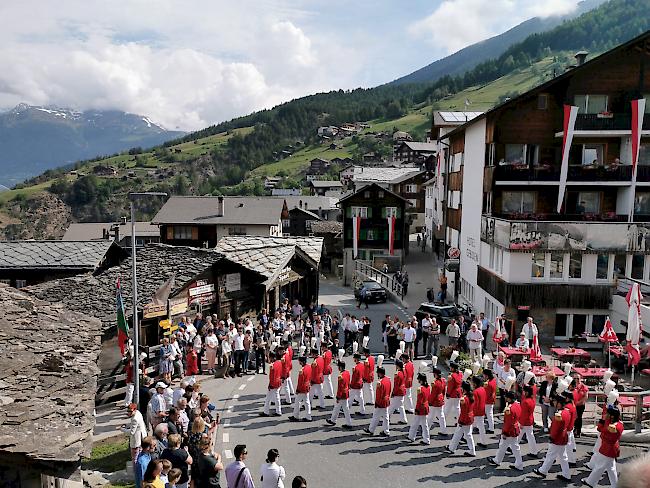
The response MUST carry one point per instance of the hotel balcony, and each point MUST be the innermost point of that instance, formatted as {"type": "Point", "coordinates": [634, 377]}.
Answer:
{"type": "Point", "coordinates": [566, 235]}
{"type": "Point", "coordinates": [608, 122]}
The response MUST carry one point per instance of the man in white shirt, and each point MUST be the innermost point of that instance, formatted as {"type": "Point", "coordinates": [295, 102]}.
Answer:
{"type": "Point", "coordinates": [474, 340]}
{"type": "Point", "coordinates": [505, 374]}
{"type": "Point", "coordinates": [238, 348]}
{"type": "Point", "coordinates": [137, 431]}
{"type": "Point", "coordinates": [453, 333]}
{"type": "Point", "coordinates": [529, 329]}
{"type": "Point", "coordinates": [409, 337]}
{"type": "Point", "coordinates": [296, 309]}
{"type": "Point", "coordinates": [179, 392]}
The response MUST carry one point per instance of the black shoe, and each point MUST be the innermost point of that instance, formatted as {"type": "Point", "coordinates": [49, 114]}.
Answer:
{"type": "Point", "coordinates": [481, 444]}
{"type": "Point", "coordinates": [425, 443]}
{"type": "Point", "coordinates": [489, 431]}
{"type": "Point", "coordinates": [367, 431]}
{"type": "Point", "coordinates": [492, 461]}
{"type": "Point", "coordinates": [512, 466]}
{"type": "Point", "coordinates": [401, 422]}
{"type": "Point", "coordinates": [573, 465]}
{"type": "Point", "coordinates": [277, 414]}
{"type": "Point", "coordinates": [539, 473]}
{"type": "Point", "coordinates": [294, 419]}
{"type": "Point", "coordinates": [329, 421]}
{"type": "Point", "coordinates": [449, 451]}
{"type": "Point", "coordinates": [468, 454]}
{"type": "Point", "coordinates": [346, 427]}
{"type": "Point", "coordinates": [307, 420]}
{"type": "Point", "coordinates": [564, 478]}
{"type": "Point", "coordinates": [262, 414]}
{"type": "Point", "coordinates": [584, 481]}
{"type": "Point", "coordinates": [532, 456]}
{"type": "Point", "coordinates": [384, 434]}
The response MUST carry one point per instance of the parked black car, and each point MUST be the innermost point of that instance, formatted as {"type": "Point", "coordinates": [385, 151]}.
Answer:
{"type": "Point", "coordinates": [442, 313]}
{"type": "Point", "coordinates": [376, 292]}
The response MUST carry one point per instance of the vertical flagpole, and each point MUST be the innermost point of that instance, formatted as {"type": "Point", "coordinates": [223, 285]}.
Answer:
{"type": "Point", "coordinates": [136, 328]}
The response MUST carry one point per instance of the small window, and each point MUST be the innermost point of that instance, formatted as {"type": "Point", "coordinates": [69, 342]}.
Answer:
{"type": "Point", "coordinates": [391, 212]}
{"type": "Point", "coordinates": [285, 223]}
{"type": "Point", "coordinates": [360, 212]}
{"type": "Point", "coordinates": [591, 104]}
{"type": "Point", "coordinates": [575, 265]}
{"type": "Point", "coordinates": [642, 203]}
{"type": "Point", "coordinates": [410, 188]}
{"type": "Point", "coordinates": [592, 154]}
{"type": "Point", "coordinates": [542, 101]}
{"type": "Point", "coordinates": [370, 235]}
{"type": "Point", "coordinates": [514, 153]}
{"type": "Point", "coordinates": [602, 267]}
{"type": "Point", "coordinates": [620, 262]}
{"type": "Point", "coordinates": [637, 266]}
{"type": "Point", "coordinates": [518, 202]}
{"type": "Point", "coordinates": [380, 194]}
{"type": "Point", "coordinates": [556, 265]}
{"type": "Point", "coordinates": [413, 202]}
{"type": "Point", "coordinates": [182, 232]}
{"type": "Point", "coordinates": [588, 202]}
{"type": "Point", "coordinates": [366, 194]}
{"type": "Point", "coordinates": [538, 265]}
{"type": "Point", "coordinates": [21, 283]}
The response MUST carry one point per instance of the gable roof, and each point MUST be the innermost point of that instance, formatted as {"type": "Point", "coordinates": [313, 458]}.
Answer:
{"type": "Point", "coordinates": [368, 187]}
{"type": "Point", "coordinates": [326, 183]}
{"type": "Point", "coordinates": [315, 202]}
{"type": "Point", "coordinates": [420, 146]}
{"type": "Point", "coordinates": [385, 174]}
{"type": "Point", "coordinates": [544, 86]}
{"type": "Point", "coordinates": [326, 227]}
{"type": "Point", "coordinates": [446, 118]}
{"type": "Point", "coordinates": [94, 231]}
{"type": "Point", "coordinates": [305, 211]}
{"type": "Point", "coordinates": [205, 211]}
{"type": "Point", "coordinates": [81, 255]}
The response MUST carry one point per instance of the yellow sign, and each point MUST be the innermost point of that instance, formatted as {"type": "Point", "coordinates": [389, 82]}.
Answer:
{"type": "Point", "coordinates": [165, 324]}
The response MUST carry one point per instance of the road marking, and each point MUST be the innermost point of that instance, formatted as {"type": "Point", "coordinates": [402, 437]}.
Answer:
{"type": "Point", "coordinates": [227, 454]}
{"type": "Point", "coordinates": [235, 396]}
{"type": "Point", "coordinates": [241, 387]}
{"type": "Point", "coordinates": [251, 378]}
{"type": "Point", "coordinates": [226, 423]}
{"type": "Point", "coordinates": [226, 437]}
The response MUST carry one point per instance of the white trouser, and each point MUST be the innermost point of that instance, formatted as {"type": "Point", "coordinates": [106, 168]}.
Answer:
{"type": "Point", "coordinates": [327, 385]}
{"type": "Point", "coordinates": [594, 452]}
{"type": "Point", "coordinates": [286, 390]}
{"type": "Point", "coordinates": [475, 354]}
{"type": "Point", "coordinates": [341, 405]}
{"type": "Point", "coordinates": [408, 400]}
{"type": "Point", "coordinates": [460, 432]}
{"type": "Point", "coordinates": [380, 414]}
{"type": "Point", "coordinates": [397, 404]}
{"type": "Point", "coordinates": [302, 399]}
{"type": "Point", "coordinates": [556, 452]}
{"type": "Point", "coordinates": [527, 430]}
{"type": "Point", "coordinates": [437, 414]}
{"type": "Point", "coordinates": [369, 393]}
{"type": "Point", "coordinates": [570, 448]}
{"type": "Point", "coordinates": [358, 395]}
{"type": "Point", "coordinates": [603, 464]}
{"type": "Point", "coordinates": [419, 421]}
{"type": "Point", "coordinates": [128, 398]}
{"type": "Point", "coordinates": [513, 444]}
{"type": "Point", "coordinates": [317, 390]}
{"type": "Point", "coordinates": [292, 390]}
{"type": "Point", "coordinates": [273, 396]}
{"type": "Point", "coordinates": [489, 416]}
{"type": "Point", "coordinates": [479, 423]}
{"type": "Point", "coordinates": [452, 411]}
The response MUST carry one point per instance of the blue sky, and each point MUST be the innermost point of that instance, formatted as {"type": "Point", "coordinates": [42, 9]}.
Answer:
{"type": "Point", "coordinates": [190, 63]}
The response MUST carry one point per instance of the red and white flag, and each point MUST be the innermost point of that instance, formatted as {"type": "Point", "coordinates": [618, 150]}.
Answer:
{"type": "Point", "coordinates": [356, 231]}
{"type": "Point", "coordinates": [439, 192]}
{"type": "Point", "coordinates": [634, 326]}
{"type": "Point", "coordinates": [536, 352]}
{"type": "Point", "coordinates": [638, 110]}
{"type": "Point", "coordinates": [570, 115]}
{"type": "Point", "coordinates": [391, 234]}
{"type": "Point", "coordinates": [608, 334]}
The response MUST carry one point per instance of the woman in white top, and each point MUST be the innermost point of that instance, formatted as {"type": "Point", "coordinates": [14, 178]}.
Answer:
{"type": "Point", "coordinates": [272, 474]}
{"type": "Point", "coordinates": [211, 346]}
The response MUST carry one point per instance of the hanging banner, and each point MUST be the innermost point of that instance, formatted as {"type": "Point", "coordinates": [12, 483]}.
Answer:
{"type": "Point", "coordinates": [391, 235]}
{"type": "Point", "coordinates": [638, 110]}
{"type": "Point", "coordinates": [570, 115]}
{"type": "Point", "coordinates": [356, 230]}
{"type": "Point", "coordinates": [439, 192]}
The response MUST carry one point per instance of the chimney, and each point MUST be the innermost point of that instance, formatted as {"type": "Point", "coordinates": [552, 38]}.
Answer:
{"type": "Point", "coordinates": [581, 57]}
{"type": "Point", "coordinates": [123, 221]}
{"type": "Point", "coordinates": [222, 206]}
{"type": "Point", "coordinates": [105, 234]}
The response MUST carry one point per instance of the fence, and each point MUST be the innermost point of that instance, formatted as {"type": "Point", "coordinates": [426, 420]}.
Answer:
{"type": "Point", "coordinates": [640, 414]}
{"type": "Point", "coordinates": [387, 281]}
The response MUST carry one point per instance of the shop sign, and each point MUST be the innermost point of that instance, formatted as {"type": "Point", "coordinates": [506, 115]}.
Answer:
{"type": "Point", "coordinates": [154, 310]}
{"type": "Point", "coordinates": [233, 282]}
{"type": "Point", "coordinates": [177, 306]}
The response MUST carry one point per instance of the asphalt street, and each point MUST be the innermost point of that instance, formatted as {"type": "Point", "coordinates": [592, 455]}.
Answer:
{"type": "Point", "coordinates": [333, 457]}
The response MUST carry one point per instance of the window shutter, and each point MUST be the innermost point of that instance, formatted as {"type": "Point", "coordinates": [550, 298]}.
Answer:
{"type": "Point", "coordinates": [195, 233]}
{"type": "Point", "coordinates": [383, 212]}
{"type": "Point", "coordinates": [170, 232]}
{"type": "Point", "coordinates": [348, 212]}
{"type": "Point", "coordinates": [398, 213]}
{"type": "Point", "coordinates": [363, 234]}
{"type": "Point", "coordinates": [369, 212]}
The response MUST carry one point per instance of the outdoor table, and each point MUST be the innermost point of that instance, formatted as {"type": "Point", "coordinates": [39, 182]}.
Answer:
{"type": "Point", "coordinates": [617, 351]}
{"type": "Point", "coordinates": [592, 376]}
{"type": "Point", "coordinates": [577, 355]}
{"type": "Point", "coordinates": [540, 371]}
{"type": "Point", "coordinates": [630, 402]}
{"type": "Point", "coordinates": [514, 354]}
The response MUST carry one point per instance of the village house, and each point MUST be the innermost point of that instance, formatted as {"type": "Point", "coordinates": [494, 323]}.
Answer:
{"type": "Point", "coordinates": [414, 152]}
{"type": "Point", "coordinates": [324, 187]}
{"type": "Point", "coordinates": [120, 232]}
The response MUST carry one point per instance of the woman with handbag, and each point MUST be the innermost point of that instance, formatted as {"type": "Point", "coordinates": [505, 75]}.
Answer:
{"type": "Point", "coordinates": [272, 474]}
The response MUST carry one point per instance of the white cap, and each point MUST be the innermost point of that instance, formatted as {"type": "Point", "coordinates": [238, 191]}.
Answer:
{"type": "Point", "coordinates": [612, 397]}
{"type": "Point", "coordinates": [143, 356]}
{"type": "Point", "coordinates": [567, 368]}
{"type": "Point", "coordinates": [562, 386]}
{"type": "Point", "coordinates": [528, 375]}
{"type": "Point", "coordinates": [607, 375]}
{"type": "Point", "coordinates": [366, 340]}
{"type": "Point", "coordinates": [466, 374]}
{"type": "Point", "coordinates": [454, 356]}
{"type": "Point", "coordinates": [609, 386]}
{"type": "Point", "coordinates": [476, 367]}
{"type": "Point", "coordinates": [341, 354]}
{"type": "Point", "coordinates": [380, 360]}
{"type": "Point", "coordinates": [161, 384]}
{"type": "Point", "coordinates": [355, 347]}
{"type": "Point", "coordinates": [525, 365]}
{"type": "Point", "coordinates": [434, 361]}
{"type": "Point", "coordinates": [509, 382]}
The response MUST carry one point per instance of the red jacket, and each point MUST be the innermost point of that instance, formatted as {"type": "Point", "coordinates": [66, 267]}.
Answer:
{"type": "Point", "coordinates": [466, 411]}
{"type": "Point", "coordinates": [343, 390]}
{"type": "Point", "coordinates": [409, 372]}
{"type": "Point", "coordinates": [479, 402]}
{"type": "Point", "coordinates": [357, 377]}
{"type": "Point", "coordinates": [511, 416]}
{"type": "Point", "coordinates": [327, 362]}
{"type": "Point", "coordinates": [317, 371]}
{"type": "Point", "coordinates": [574, 415]}
{"type": "Point", "coordinates": [382, 394]}
{"type": "Point", "coordinates": [289, 359]}
{"type": "Point", "coordinates": [559, 433]}
{"type": "Point", "coordinates": [286, 367]}
{"type": "Point", "coordinates": [369, 370]}
{"type": "Point", "coordinates": [491, 391]}
{"type": "Point", "coordinates": [304, 379]}
{"type": "Point", "coordinates": [422, 401]}
{"type": "Point", "coordinates": [527, 411]}
{"type": "Point", "coordinates": [437, 397]}
{"type": "Point", "coordinates": [610, 435]}
{"type": "Point", "coordinates": [453, 385]}
{"type": "Point", "coordinates": [275, 375]}
{"type": "Point", "coordinates": [399, 386]}
{"type": "Point", "coordinates": [580, 393]}
{"type": "Point", "coordinates": [191, 363]}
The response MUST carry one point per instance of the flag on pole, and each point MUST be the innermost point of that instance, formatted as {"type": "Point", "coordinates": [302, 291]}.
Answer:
{"type": "Point", "coordinates": [356, 230]}
{"type": "Point", "coordinates": [634, 326]}
{"type": "Point", "coordinates": [536, 352]}
{"type": "Point", "coordinates": [391, 235]}
{"type": "Point", "coordinates": [638, 110]}
{"type": "Point", "coordinates": [570, 115]}
{"type": "Point", "coordinates": [439, 191]}
{"type": "Point", "coordinates": [122, 325]}
{"type": "Point", "coordinates": [608, 334]}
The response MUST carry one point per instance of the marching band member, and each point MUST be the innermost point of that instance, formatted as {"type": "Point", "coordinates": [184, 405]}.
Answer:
{"type": "Point", "coordinates": [302, 392]}
{"type": "Point", "coordinates": [382, 401]}
{"type": "Point", "coordinates": [286, 374]}
{"type": "Point", "coordinates": [479, 410]}
{"type": "Point", "coordinates": [327, 373]}
{"type": "Point", "coordinates": [611, 430]}
{"type": "Point", "coordinates": [510, 433]}
{"type": "Point", "coordinates": [452, 403]}
{"type": "Point", "coordinates": [421, 411]}
{"type": "Point", "coordinates": [559, 437]}
{"type": "Point", "coordinates": [437, 402]}
{"type": "Point", "coordinates": [571, 445]}
{"type": "Point", "coordinates": [273, 392]}
{"type": "Point", "coordinates": [399, 390]}
{"type": "Point", "coordinates": [368, 377]}
{"type": "Point", "coordinates": [490, 386]}
{"type": "Point", "coordinates": [316, 388]}
{"type": "Point", "coordinates": [465, 421]}
{"type": "Point", "coordinates": [289, 355]}
{"type": "Point", "coordinates": [356, 384]}
{"type": "Point", "coordinates": [342, 396]}
{"type": "Point", "coordinates": [409, 374]}
{"type": "Point", "coordinates": [527, 420]}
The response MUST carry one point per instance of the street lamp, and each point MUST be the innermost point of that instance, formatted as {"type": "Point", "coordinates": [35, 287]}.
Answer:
{"type": "Point", "coordinates": [136, 328]}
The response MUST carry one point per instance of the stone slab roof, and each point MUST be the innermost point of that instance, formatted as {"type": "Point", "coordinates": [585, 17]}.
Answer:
{"type": "Point", "coordinates": [326, 183]}
{"type": "Point", "coordinates": [94, 231]}
{"type": "Point", "coordinates": [53, 254]}
{"type": "Point", "coordinates": [205, 211]}
{"type": "Point", "coordinates": [326, 227]}
{"type": "Point", "coordinates": [310, 202]}
{"type": "Point", "coordinates": [156, 263]}
{"type": "Point", "coordinates": [48, 357]}
{"type": "Point", "coordinates": [385, 175]}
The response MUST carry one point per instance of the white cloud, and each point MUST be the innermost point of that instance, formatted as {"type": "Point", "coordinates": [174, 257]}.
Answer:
{"type": "Point", "coordinates": [184, 64]}
{"type": "Point", "coordinates": [458, 23]}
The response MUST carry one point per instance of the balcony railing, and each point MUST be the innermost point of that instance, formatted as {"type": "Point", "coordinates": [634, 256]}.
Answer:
{"type": "Point", "coordinates": [554, 217]}
{"type": "Point", "coordinates": [594, 236]}
{"type": "Point", "coordinates": [547, 172]}
{"type": "Point", "coordinates": [616, 121]}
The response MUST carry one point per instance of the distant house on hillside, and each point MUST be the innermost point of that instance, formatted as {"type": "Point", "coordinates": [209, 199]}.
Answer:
{"type": "Point", "coordinates": [120, 232]}
{"type": "Point", "coordinates": [414, 152]}
{"type": "Point", "coordinates": [271, 182]}
{"type": "Point", "coordinates": [400, 135]}
{"type": "Point", "coordinates": [328, 131]}
{"type": "Point", "coordinates": [321, 187]}
{"type": "Point", "coordinates": [102, 170]}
